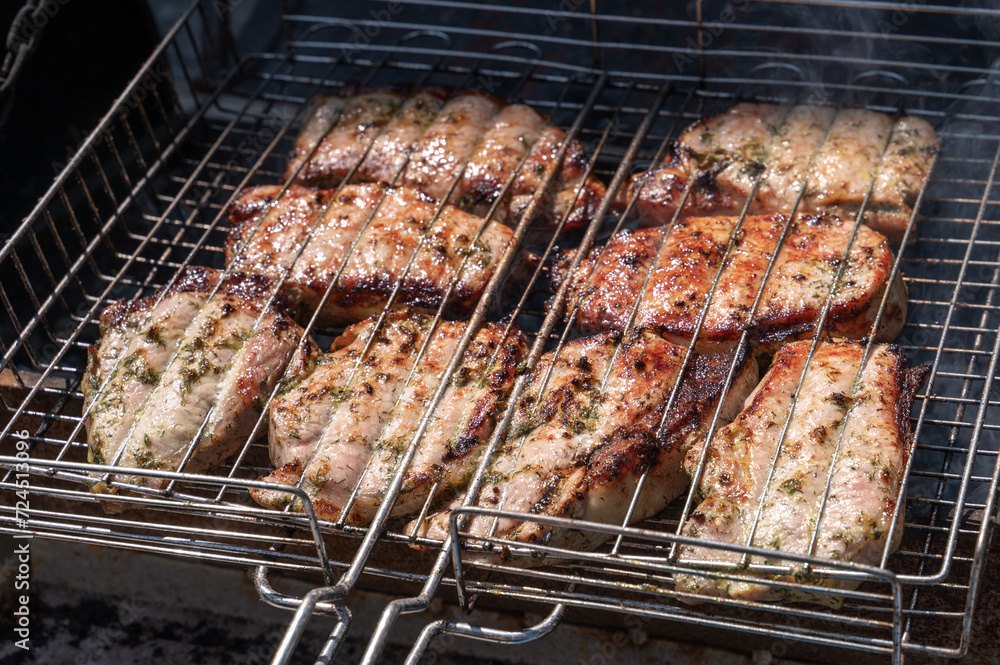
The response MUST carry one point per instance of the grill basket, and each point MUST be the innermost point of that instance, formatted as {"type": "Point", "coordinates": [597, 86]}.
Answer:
{"type": "Point", "coordinates": [146, 194]}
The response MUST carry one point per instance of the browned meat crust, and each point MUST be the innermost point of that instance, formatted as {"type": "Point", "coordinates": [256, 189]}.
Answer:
{"type": "Point", "coordinates": [579, 448]}
{"type": "Point", "coordinates": [169, 366]}
{"type": "Point", "coordinates": [463, 148]}
{"type": "Point", "coordinates": [268, 233]}
{"type": "Point", "coordinates": [608, 282]}
{"type": "Point", "coordinates": [720, 157]}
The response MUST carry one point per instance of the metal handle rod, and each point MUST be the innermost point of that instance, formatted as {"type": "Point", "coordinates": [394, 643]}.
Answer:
{"type": "Point", "coordinates": [465, 629]}
{"type": "Point", "coordinates": [293, 633]}
{"type": "Point", "coordinates": [275, 598]}
{"type": "Point", "coordinates": [337, 635]}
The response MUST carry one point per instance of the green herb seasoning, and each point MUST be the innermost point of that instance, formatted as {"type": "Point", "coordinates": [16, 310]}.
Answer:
{"type": "Point", "coordinates": [792, 485]}
{"type": "Point", "coordinates": [136, 366]}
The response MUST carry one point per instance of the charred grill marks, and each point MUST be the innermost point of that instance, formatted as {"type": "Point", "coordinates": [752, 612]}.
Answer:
{"type": "Point", "coordinates": [780, 509]}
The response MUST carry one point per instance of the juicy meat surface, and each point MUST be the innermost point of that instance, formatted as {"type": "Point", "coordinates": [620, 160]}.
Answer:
{"type": "Point", "coordinates": [721, 157]}
{"type": "Point", "coordinates": [345, 129]}
{"type": "Point", "coordinates": [347, 421]}
{"type": "Point", "coordinates": [686, 257]}
{"type": "Point", "coordinates": [578, 444]}
{"type": "Point", "coordinates": [448, 143]}
{"type": "Point", "coordinates": [463, 149]}
{"type": "Point", "coordinates": [304, 237]}
{"type": "Point", "coordinates": [168, 367]}
{"type": "Point", "coordinates": [867, 466]}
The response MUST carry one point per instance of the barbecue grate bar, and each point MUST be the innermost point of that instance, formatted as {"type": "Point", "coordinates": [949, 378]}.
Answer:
{"type": "Point", "coordinates": [146, 195]}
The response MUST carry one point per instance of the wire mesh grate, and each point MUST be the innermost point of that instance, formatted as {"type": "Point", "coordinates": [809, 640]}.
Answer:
{"type": "Point", "coordinates": [147, 196]}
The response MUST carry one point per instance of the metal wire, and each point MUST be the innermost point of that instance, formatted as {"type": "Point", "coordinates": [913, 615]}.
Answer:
{"type": "Point", "coordinates": [147, 194]}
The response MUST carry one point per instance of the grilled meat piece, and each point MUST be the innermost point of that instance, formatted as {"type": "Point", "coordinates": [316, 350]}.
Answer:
{"type": "Point", "coordinates": [347, 421]}
{"type": "Point", "coordinates": [573, 198]}
{"type": "Point", "coordinates": [268, 233]}
{"type": "Point", "coordinates": [464, 150]}
{"type": "Point", "coordinates": [720, 157]}
{"type": "Point", "coordinates": [389, 153]}
{"type": "Point", "coordinates": [448, 143]}
{"type": "Point", "coordinates": [345, 129]}
{"type": "Point", "coordinates": [172, 364]}
{"type": "Point", "coordinates": [872, 420]}
{"type": "Point", "coordinates": [578, 445]}
{"type": "Point", "coordinates": [607, 283]}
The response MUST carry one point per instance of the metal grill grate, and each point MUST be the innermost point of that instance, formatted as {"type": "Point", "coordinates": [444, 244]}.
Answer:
{"type": "Point", "coordinates": [146, 196]}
